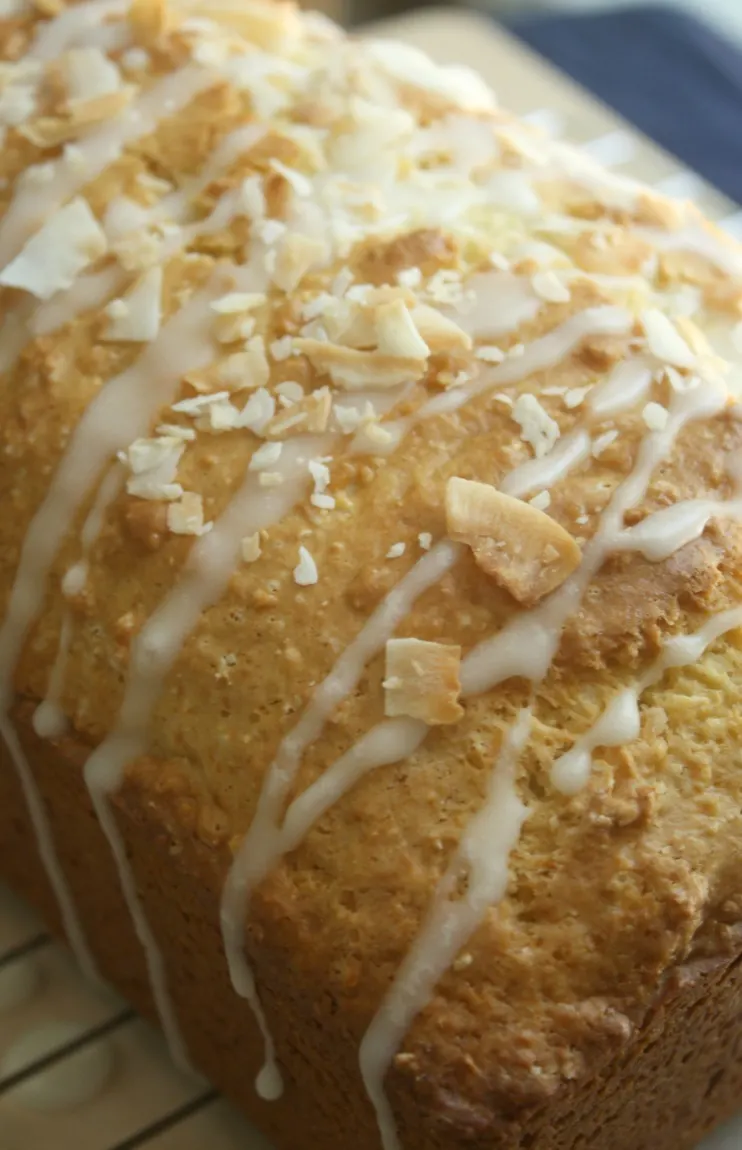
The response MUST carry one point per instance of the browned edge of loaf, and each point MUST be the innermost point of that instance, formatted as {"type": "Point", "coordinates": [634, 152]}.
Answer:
{"type": "Point", "coordinates": [677, 1077]}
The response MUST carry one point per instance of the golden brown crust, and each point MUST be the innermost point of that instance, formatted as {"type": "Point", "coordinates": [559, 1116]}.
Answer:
{"type": "Point", "coordinates": [610, 889]}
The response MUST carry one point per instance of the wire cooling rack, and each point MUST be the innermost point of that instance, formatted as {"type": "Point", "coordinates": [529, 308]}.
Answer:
{"type": "Point", "coordinates": [78, 1069]}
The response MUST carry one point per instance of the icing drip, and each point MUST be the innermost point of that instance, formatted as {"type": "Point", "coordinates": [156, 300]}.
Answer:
{"type": "Point", "coordinates": [121, 412]}
{"type": "Point", "coordinates": [482, 859]}
{"type": "Point", "coordinates": [47, 850]}
{"type": "Point", "coordinates": [33, 204]}
{"type": "Point", "coordinates": [264, 842]}
{"type": "Point", "coordinates": [525, 648]}
{"type": "Point", "coordinates": [210, 564]}
{"type": "Point", "coordinates": [496, 303]}
{"type": "Point", "coordinates": [620, 722]}
{"type": "Point", "coordinates": [538, 474]}
{"type": "Point", "coordinates": [629, 381]}
{"type": "Point", "coordinates": [528, 643]}
{"type": "Point", "coordinates": [49, 720]}
{"type": "Point", "coordinates": [699, 241]}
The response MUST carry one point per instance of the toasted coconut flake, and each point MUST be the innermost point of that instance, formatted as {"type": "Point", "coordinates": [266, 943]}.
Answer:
{"type": "Point", "coordinates": [238, 302]}
{"type": "Point", "coordinates": [515, 543]}
{"type": "Point", "coordinates": [665, 341]}
{"type": "Point", "coordinates": [438, 331]}
{"type": "Point", "coordinates": [251, 548]}
{"type": "Point", "coordinates": [186, 516]}
{"type": "Point", "coordinates": [354, 370]}
{"type": "Point", "coordinates": [397, 334]}
{"type": "Point", "coordinates": [305, 572]}
{"type": "Point", "coordinates": [248, 369]}
{"type": "Point", "coordinates": [51, 131]}
{"type": "Point", "coordinates": [149, 21]}
{"type": "Point", "coordinates": [549, 287]}
{"type": "Point", "coordinates": [88, 73]}
{"type": "Point", "coordinates": [68, 242]}
{"type": "Point", "coordinates": [421, 681]}
{"type": "Point", "coordinates": [296, 256]}
{"type": "Point", "coordinates": [266, 456]}
{"type": "Point", "coordinates": [138, 320]}
{"type": "Point", "coordinates": [536, 425]}
{"type": "Point", "coordinates": [257, 412]}
{"type": "Point", "coordinates": [310, 414]}
{"type": "Point", "coordinates": [490, 354]}
{"type": "Point", "coordinates": [153, 464]}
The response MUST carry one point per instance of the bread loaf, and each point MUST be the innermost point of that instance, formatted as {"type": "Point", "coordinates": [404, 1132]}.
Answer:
{"type": "Point", "coordinates": [370, 583]}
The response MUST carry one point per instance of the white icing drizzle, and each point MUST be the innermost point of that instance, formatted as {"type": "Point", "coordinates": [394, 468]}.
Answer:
{"type": "Point", "coordinates": [482, 859]}
{"type": "Point", "coordinates": [75, 1079]}
{"type": "Point", "coordinates": [88, 291]}
{"type": "Point", "coordinates": [496, 303]}
{"type": "Point", "coordinates": [47, 850]}
{"type": "Point", "coordinates": [620, 723]}
{"type": "Point", "coordinates": [264, 842]}
{"type": "Point", "coordinates": [75, 26]}
{"type": "Point", "coordinates": [699, 241]}
{"type": "Point", "coordinates": [527, 644]}
{"type": "Point", "coordinates": [49, 720]}
{"type": "Point", "coordinates": [664, 532]}
{"type": "Point", "coordinates": [121, 412]}
{"type": "Point", "coordinates": [268, 838]}
{"type": "Point", "coordinates": [540, 355]}
{"type": "Point", "coordinates": [93, 289]}
{"type": "Point", "coordinates": [33, 204]}
{"type": "Point", "coordinates": [538, 474]}
{"type": "Point", "coordinates": [211, 562]}
{"type": "Point", "coordinates": [525, 647]}
{"type": "Point", "coordinates": [626, 384]}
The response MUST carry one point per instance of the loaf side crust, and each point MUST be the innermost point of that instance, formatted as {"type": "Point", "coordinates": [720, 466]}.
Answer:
{"type": "Point", "coordinates": [677, 1076]}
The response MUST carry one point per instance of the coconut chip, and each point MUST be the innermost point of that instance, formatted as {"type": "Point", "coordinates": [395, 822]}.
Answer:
{"type": "Point", "coordinates": [439, 332]}
{"type": "Point", "coordinates": [248, 369]}
{"type": "Point", "coordinates": [353, 370]}
{"type": "Point", "coordinates": [421, 681]}
{"type": "Point", "coordinates": [524, 550]}
{"type": "Point", "coordinates": [665, 341]}
{"type": "Point", "coordinates": [153, 464]}
{"type": "Point", "coordinates": [186, 516]}
{"type": "Point", "coordinates": [88, 73]}
{"type": "Point", "coordinates": [305, 572]}
{"type": "Point", "coordinates": [68, 242]}
{"type": "Point", "coordinates": [536, 425]}
{"type": "Point", "coordinates": [310, 414]}
{"type": "Point", "coordinates": [251, 547]}
{"type": "Point", "coordinates": [296, 256]}
{"type": "Point", "coordinates": [397, 334]}
{"type": "Point", "coordinates": [149, 21]}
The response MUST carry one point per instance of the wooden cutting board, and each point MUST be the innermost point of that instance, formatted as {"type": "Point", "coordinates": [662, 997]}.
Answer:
{"type": "Point", "coordinates": [46, 1009]}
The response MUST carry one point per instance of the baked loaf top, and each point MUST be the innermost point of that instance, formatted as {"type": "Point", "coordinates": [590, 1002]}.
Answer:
{"type": "Point", "coordinates": [316, 363]}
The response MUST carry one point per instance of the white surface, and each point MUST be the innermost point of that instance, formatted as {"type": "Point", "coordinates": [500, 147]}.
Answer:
{"type": "Point", "coordinates": [144, 1087]}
